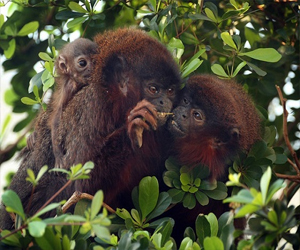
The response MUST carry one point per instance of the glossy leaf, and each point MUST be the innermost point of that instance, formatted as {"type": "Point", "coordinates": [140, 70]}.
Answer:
{"type": "Point", "coordinates": [148, 195]}
{"type": "Point", "coordinates": [263, 54]}
{"type": "Point", "coordinates": [202, 228]}
{"type": "Point", "coordinates": [213, 243]}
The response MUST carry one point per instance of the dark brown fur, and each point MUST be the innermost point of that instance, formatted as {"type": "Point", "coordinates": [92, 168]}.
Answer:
{"type": "Point", "coordinates": [101, 120]}
{"type": "Point", "coordinates": [127, 67]}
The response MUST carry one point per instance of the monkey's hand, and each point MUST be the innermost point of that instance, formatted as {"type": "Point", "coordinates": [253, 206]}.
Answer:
{"type": "Point", "coordinates": [142, 116]}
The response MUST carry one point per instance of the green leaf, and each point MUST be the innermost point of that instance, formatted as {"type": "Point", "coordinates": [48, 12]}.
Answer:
{"type": "Point", "coordinates": [28, 101]}
{"type": "Point", "coordinates": [76, 22]}
{"type": "Point", "coordinates": [135, 215]}
{"type": "Point", "coordinates": [13, 203]}
{"type": "Point", "coordinates": [213, 221]}
{"type": "Point", "coordinates": [12, 240]}
{"type": "Point", "coordinates": [263, 54]}
{"type": "Point", "coordinates": [191, 67]}
{"type": "Point", "coordinates": [37, 228]}
{"type": "Point", "coordinates": [44, 56]}
{"type": "Point", "coordinates": [276, 186]}
{"type": "Point", "coordinates": [101, 231]}
{"type": "Point", "coordinates": [176, 44]}
{"type": "Point", "coordinates": [1, 20]}
{"type": "Point", "coordinates": [210, 15]}
{"type": "Point", "coordinates": [258, 71]}
{"type": "Point", "coordinates": [28, 28]}
{"type": "Point", "coordinates": [164, 201]}
{"type": "Point", "coordinates": [35, 81]}
{"type": "Point", "coordinates": [46, 209]}
{"type": "Point", "coordinates": [9, 52]}
{"type": "Point", "coordinates": [76, 7]}
{"type": "Point", "coordinates": [247, 209]}
{"type": "Point", "coordinates": [96, 204]}
{"type": "Point", "coordinates": [202, 228]}
{"type": "Point", "coordinates": [177, 195]}
{"type": "Point", "coordinates": [185, 179]}
{"type": "Point", "coordinates": [218, 70]}
{"type": "Point", "coordinates": [264, 184]}
{"type": "Point", "coordinates": [226, 37]}
{"type": "Point", "coordinates": [213, 243]}
{"type": "Point", "coordinates": [189, 201]}
{"type": "Point", "coordinates": [238, 68]}
{"type": "Point", "coordinates": [202, 198]}
{"type": "Point", "coordinates": [148, 195]}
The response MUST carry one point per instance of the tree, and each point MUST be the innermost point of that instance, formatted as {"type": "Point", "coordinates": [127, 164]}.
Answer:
{"type": "Point", "coordinates": [255, 42]}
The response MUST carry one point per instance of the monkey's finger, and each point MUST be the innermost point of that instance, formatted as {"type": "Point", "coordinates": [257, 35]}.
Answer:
{"type": "Point", "coordinates": [144, 115]}
{"type": "Point", "coordinates": [145, 105]}
{"type": "Point", "coordinates": [139, 136]}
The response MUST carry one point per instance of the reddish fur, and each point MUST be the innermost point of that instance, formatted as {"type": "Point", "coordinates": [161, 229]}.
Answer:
{"type": "Point", "coordinates": [226, 106]}
{"type": "Point", "coordinates": [94, 124]}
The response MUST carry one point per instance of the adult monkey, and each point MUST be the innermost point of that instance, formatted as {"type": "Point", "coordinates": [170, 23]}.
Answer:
{"type": "Point", "coordinates": [134, 78]}
{"type": "Point", "coordinates": [214, 120]}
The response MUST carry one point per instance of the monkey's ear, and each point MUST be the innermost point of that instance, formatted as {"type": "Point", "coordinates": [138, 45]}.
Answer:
{"type": "Point", "coordinates": [116, 72]}
{"type": "Point", "coordinates": [62, 64]}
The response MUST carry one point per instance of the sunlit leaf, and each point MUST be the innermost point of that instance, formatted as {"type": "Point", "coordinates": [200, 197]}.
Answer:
{"type": "Point", "coordinates": [28, 28]}
{"type": "Point", "coordinates": [76, 7]}
{"type": "Point", "coordinates": [213, 243]}
{"type": "Point", "coordinates": [226, 37]}
{"type": "Point", "coordinates": [9, 52]}
{"type": "Point", "coordinates": [37, 228]}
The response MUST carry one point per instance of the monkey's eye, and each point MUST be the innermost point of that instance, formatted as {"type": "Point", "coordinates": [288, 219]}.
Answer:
{"type": "Point", "coordinates": [198, 116]}
{"type": "Point", "coordinates": [171, 91]}
{"type": "Point", "coordinates": [153, 89]}
{"type": "Point", "coordinates": [82, 63]}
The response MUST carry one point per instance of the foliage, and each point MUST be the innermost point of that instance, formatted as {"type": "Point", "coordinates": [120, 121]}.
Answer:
{"type": "Point", "coordinates": [255, 42]}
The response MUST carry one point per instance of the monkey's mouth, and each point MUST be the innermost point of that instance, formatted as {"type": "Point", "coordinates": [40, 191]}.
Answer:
{"type": "Point", "coordinates": [175, 129]}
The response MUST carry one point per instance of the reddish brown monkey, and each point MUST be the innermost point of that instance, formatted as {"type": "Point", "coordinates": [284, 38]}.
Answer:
{"type": "Point", "coordinates": [112, 121]}
{"type": "Point", "coordinates": [134, 78]}
{"type": "Point", "coordinates": [73, 66]}
{"type": "Point", "coordinates": [214, 120]}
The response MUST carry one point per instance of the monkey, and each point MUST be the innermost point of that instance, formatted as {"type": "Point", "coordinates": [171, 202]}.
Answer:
{"type": "Point", "coordinates": [73, 66]}
{"type": "Point", "coordinates": [134, 77]}
{"type": "Point", "coordinates": [214, 121]}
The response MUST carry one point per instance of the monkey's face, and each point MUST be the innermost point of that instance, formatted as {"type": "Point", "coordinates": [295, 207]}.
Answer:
{"type": "Point", "coordinates": [195, 119]}
{"type": "Point", "coordinates": [83, 66]}
{"type": "Point", "coordinates": [188, 119]}
{"type": "Point", "coordinates": [161, 97]}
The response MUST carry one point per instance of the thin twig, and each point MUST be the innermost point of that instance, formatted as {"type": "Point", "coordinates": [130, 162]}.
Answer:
{"type": "Point", "coordinates": [294, 178]}
{"type": "Point", "coordinates": [77, 196]}
{"type": "Point", "coordinates": [285, 130]}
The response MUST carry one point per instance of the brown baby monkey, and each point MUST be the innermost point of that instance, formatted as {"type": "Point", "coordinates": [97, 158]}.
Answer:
{"type": "Point", "coordinates": [73, 66]}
